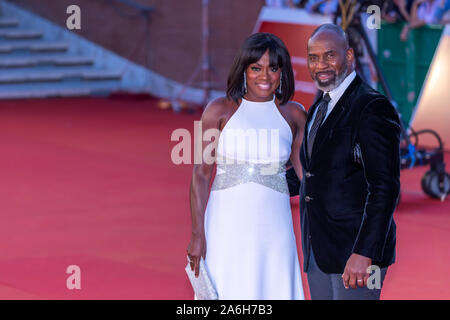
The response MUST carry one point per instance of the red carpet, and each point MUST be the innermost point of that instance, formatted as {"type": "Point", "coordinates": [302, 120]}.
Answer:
{"type": "Point", "coordinates": [90, 182]}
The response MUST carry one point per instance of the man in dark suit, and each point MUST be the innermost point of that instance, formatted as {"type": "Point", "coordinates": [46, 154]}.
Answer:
{"type": "Point", "coordinates": [351, 168]}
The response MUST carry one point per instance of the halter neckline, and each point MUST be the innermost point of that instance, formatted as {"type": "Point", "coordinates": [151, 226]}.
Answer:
{"type": "Point", "coordinates": [259, 102]}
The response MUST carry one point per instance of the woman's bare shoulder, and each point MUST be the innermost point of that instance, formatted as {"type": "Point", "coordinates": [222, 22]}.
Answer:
{"type": "Point", "coordinates": [218, 106]}
{"type": "Point", "coordinates": [296, 111]}
{"type": "Point", "coordinates": [217, 111]}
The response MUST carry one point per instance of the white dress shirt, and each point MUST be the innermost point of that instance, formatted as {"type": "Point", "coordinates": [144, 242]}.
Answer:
{"type": "Point", "coordinates": [335, 95]}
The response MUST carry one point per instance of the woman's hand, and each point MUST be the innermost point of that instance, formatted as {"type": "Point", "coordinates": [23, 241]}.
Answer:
{"type": "Point", "coordinates": [195, 250]}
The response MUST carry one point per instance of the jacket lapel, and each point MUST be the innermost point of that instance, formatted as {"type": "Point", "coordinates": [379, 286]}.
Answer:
{"type": "Point", "coordinates": [334, 116]}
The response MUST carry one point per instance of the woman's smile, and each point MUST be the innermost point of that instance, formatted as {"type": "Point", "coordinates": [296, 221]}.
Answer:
{"type": "Point", "coordinates": [264, 86]}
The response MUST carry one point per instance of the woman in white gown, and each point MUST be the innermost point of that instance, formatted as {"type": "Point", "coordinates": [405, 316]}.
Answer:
{"type": "Point", "coordinates": [242, 226]}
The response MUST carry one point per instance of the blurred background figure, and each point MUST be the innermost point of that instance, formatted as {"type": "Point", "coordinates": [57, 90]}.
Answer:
{"type": "Point", "coordinates": [425, 12]}
{"type": "Point", "coordinates": [397, 10]}
{"type": "Point", "coordinates": [280, 3]}
{"type": "Point", "coordinates": [326, 7]}
{"type": "Point", "coordinates": [300, 4]}
{"type": "Point", "coordinates": [428, 11]}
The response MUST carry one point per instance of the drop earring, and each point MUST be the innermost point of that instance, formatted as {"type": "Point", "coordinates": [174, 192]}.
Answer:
{"type": "Point", "coordinates": [245, 82]}
{"type": "Point", "coordinates": [279, 87]}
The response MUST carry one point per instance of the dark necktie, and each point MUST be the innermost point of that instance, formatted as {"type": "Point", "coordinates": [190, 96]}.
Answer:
{"type": "Point", "coordinates": [320, 115]}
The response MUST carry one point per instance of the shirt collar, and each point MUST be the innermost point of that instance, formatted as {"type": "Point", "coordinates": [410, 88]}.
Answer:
{"type": "Point", "coordinates": [337, 92]}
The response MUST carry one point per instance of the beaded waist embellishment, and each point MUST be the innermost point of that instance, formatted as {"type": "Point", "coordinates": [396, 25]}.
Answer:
{"type": "Point", "coordinates": [271, 175]}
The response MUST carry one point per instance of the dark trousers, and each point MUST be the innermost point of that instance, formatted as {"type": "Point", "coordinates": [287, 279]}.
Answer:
{"type": "Point", "coordinates": [329, 286]}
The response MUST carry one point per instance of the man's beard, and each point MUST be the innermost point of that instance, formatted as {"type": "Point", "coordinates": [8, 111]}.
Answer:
{"type": "Point", "coordinates": [334, 82]}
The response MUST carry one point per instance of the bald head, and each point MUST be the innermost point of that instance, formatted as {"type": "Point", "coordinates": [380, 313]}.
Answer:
{"type": "Point", "coordinates": [330, 59]}
{"type": "Point", "coordinates": [332, 31]}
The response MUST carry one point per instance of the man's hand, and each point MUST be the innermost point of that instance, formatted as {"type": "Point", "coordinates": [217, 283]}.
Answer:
{"type": "Point", "coordinates": [355, 272]}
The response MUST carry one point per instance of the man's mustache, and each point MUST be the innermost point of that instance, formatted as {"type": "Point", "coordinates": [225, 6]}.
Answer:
{"type": "Point", "coordinates": [325, 72]}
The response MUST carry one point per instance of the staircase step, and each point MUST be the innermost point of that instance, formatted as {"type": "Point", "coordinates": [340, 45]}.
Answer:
{"type": "Point", "coordinates": [32, 47]}
{"type": "Point", "coordinates": [30, 77]}
{"type": "Point", "coordinates": [20, 34]}
{"type": "Point", "coordinates": [66, 71]}
{"type": "Point", "coordinates": [55, 93]}
{"type": "Point", "coordinates": [8, 22]}
{"type": "Point", "coordinates": [25, 62]}
{"type": "Point", "coordinates": [55, 76]}
{"type": "Point", "coordinates": [72, 61]}
{"type": "Point", "coordinates": [68, 86]}
{"type": "Point", "coordinates": [93, 75]}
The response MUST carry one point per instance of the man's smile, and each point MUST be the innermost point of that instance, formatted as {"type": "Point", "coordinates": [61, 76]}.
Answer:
{"type": "Point", "coordinates": [325, 75]}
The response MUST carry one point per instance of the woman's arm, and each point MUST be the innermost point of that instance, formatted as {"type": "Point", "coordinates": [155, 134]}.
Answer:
{"type": "Point", "coordinates": [414, 18]}
{"type": "Point", "coordinates": [200, 183]}
{"type": "Point", "coordinates": [413, 22]}
{"type": "Point", "coordinates": [298, 117]}
{"type": "Point", "coordinates": [401, 4]}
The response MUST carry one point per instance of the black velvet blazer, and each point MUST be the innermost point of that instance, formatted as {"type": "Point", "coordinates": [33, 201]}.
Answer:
{"type": "Point", "coordinates": [351, 184]}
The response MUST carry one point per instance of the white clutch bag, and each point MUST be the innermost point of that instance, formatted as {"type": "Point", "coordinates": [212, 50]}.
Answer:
{"type": "Point", "coordinates": [203, 286]}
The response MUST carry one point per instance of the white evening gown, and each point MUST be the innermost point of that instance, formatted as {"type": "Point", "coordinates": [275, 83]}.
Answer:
{"type": "Point", "coordinates": [251, 248]}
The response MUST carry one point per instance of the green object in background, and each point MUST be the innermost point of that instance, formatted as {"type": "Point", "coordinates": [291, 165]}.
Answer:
{"type": "Point", "coordinates": [405, 64]}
